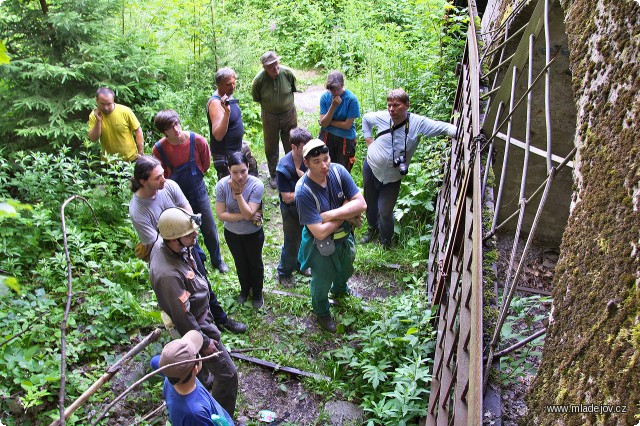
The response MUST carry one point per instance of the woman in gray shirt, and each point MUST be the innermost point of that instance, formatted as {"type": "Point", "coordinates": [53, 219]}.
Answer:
{"type": "Point", "coordinates": [238, 205]}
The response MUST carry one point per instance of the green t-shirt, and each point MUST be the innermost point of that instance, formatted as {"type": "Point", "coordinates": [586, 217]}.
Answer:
{"type": "Point", "coordinates": [274, 96]}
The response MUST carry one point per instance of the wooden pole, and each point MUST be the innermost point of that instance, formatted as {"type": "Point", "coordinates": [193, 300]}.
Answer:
{"type": "Point", "coordinates": [111, 371]}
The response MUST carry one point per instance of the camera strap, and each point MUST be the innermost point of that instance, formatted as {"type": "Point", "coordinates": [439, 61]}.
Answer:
{"type": "Point", "coordinates": [405, 123]}
{"type": "Point", "coordinates": [393, 128]}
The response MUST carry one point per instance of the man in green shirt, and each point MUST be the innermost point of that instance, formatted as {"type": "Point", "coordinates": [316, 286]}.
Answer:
{"type": "Point", "coordinates": [273, 89]}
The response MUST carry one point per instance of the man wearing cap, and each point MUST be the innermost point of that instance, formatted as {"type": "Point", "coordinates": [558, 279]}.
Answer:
{"type": "Point", "coordinates": [188, 402]}
{"type": "Point", "coordinates": [388, 158]}
{"type": "Point", "coordinates": [329, 204]}
{"type": "Point", "coordinates": [273, 89]}
{"type": "Point", "coordinates": [183, 294]}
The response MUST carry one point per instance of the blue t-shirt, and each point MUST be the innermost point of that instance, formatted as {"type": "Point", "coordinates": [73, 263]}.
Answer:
{"type": "Point", "coordinates": [349, 108]}
{"type": "Point", "coordinates": [329, 198]}
{"type": "Point", "coordinates": [287, 175]}
{"type": "Point", "coordinates": [194, 409]}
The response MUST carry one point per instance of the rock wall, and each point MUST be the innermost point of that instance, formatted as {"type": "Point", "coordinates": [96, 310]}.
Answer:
{"type": "Point", "coordinates": [593, 342]}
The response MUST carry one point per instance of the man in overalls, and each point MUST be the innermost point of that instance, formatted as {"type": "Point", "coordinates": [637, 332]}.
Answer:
{"type": "Point", "coordinates": [185, 158]}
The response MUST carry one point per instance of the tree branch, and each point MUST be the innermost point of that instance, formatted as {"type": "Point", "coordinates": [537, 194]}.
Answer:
{"type": "Point", "coordinates": [63, 325]}
{"type": "Point", "coordinates": [143, 379]}
{"type": "Point", "coordinates": [111, 371]}
{"type": "Point", "coordinates": [44, 6]}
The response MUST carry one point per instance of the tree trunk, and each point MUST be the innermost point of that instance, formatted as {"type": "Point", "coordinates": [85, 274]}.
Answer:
{"type": "Point", "coordinates": [591, 351]}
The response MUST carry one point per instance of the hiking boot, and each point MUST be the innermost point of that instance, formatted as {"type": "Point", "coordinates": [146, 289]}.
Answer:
{"type": "Point", "coordinates": [222, 267]}
{"type": "Point", "coordinates": [273, 183]}
{"type": "Point", "coordinates": [344, 294]}
{"type": "Point", "coordinates": [326, 322]}
{"type": "Point", "coordinates": [370, 236]}
{"type": "Point", "coordinates": [286, 282]}
{"type": "Point", "coordinates": [257, 303]}
{"type": "Point", "coordinates": [242, 298]}
{"type": "Point", "coordinates": [387, 245]}
{"type": "Point", "coordinates": [306, 272]}
{"type": "Point", "coordinates": [232, 326]}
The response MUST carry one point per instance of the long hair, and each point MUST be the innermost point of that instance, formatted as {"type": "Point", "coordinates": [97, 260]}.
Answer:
{"type": "Point", "coordinates": [142, 170]}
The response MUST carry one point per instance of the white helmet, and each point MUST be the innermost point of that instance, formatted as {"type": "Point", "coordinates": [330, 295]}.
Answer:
{"type": "Point", "coordinates": [176, 222]}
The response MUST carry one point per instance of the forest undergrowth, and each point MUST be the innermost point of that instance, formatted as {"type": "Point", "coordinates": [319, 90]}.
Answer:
{"type": "Point", "coordinates": [379, 359]}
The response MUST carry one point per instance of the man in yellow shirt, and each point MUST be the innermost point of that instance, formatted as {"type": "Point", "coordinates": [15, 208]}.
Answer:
{"type": "Point", "coordinates": [114, 124]}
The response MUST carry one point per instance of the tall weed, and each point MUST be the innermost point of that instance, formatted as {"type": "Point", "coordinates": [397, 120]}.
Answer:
{"type": "Point", "coordinates": [386, 365]}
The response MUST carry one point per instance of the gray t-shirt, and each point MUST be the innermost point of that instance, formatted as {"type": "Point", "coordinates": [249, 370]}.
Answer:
{"type": "Point", "coordinates": [381, 153]}
{"type": "Point", "coordinates": [144, 212]}
{"type": "Point", "coordinates": [252, 193]}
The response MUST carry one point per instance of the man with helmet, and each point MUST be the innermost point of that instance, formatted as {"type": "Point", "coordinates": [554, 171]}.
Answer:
{"type": "Point", "coordinates": [183, 294]}
{"type": "Point", "coordinates": [152, 194]}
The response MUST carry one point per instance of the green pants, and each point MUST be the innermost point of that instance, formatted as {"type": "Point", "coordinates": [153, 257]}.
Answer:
{"type": "Point", "coordinates": [330, 273]}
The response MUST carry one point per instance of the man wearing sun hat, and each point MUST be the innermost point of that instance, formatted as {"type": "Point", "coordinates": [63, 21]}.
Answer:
{"type": "Point", "coordinates": [329, 205]}
{"type": "Point", "coordinates": [188, 402]}
{"type": "Point", "coordinates": [183, 294]}
{"type": "Point", "coordinates": [273, 89]}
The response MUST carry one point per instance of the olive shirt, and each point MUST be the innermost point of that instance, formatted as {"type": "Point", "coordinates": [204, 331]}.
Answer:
{"type": "Point", "coordinates": [181, 292]}
{"type": "Point", "coordinates": [116, 132]}
{"type": "Point", "coordinates": [274, 96]}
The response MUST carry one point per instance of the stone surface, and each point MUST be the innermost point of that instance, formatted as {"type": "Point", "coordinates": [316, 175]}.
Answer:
{"type": "Point", "coordinates": [344, 413]}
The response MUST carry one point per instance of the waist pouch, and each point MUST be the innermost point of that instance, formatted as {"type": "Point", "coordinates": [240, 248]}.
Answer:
{"type": "Point", "coordinates": [326, 247]}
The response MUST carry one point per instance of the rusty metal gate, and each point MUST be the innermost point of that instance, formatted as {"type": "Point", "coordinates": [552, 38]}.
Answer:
{"type": "Point", "coordinates": [455, 259]}
{"type": "Point", "coordinates": [517, 88]}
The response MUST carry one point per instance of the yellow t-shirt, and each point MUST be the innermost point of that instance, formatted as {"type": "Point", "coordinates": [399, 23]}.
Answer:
{"type": "Point", "coordinates": [116, 132]}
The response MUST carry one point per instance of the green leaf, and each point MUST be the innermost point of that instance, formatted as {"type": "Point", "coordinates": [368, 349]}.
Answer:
{"type": "Point", "coordinates": [4, 58]}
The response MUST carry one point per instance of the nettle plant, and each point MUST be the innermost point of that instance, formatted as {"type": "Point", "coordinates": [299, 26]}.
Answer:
{"type": "Point", "coordinates": [386, 365]}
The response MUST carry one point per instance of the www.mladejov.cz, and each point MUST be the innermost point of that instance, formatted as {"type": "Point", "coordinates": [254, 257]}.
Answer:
{"type": "Point", "coordinates": [586, 408]}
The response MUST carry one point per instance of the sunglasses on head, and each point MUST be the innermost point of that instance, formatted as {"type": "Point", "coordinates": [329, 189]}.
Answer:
{"type": "Point", "coordinates": [319, 150]}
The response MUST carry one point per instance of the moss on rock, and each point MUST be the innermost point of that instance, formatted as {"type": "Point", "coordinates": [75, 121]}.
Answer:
{"type": "Point", "coordinates": [591, 348]}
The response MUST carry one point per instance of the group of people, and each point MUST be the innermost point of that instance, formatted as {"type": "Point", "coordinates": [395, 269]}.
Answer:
{"type": "Point", "coordinates": [319, 201]}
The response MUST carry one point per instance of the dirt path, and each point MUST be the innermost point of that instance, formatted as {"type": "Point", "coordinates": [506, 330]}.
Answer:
{"type": "Point", "coordinates": [309, 101]}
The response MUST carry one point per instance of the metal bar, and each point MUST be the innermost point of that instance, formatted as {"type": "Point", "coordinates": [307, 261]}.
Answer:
{"type": "Point", "coordinates": [527, 135]}
{"type": "Point", "coordinates": [503, 312]}
{"type": "Point", "coordinates": [486, 95]}
{"type": "Point", "coordinates": [512, 110]}
{"type": "Point", "coordinates": [547, 102]}
{"type": "Point", "coordinates": [506, 150]}
{"type": "Point", "coordinates": [562, 165]}
{"type": "Point", "coordinates": [533, 149]}
{"type": "Point", "coordinates": [475, 391]}
{"type": "Point", "coordinates": [529, 290]}
{"type": "Point", "coordinates": [533, 27]}
{"type": "Point", "coordinates": [278, 367]}
{"type": "Point", "coordinates": [521, 343]}
{"type": "Point", "coordinates": [504, 42]}
{"type": "Point", "coordinates": [497, 67]}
